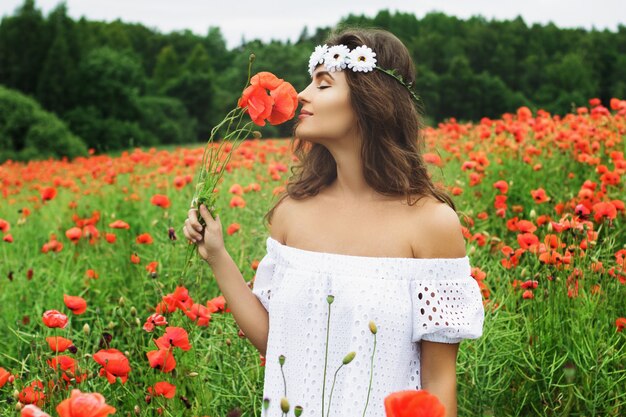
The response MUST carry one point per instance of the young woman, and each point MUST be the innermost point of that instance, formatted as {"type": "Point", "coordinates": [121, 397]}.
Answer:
{"type": "Point", "coordinates": [361, 237]}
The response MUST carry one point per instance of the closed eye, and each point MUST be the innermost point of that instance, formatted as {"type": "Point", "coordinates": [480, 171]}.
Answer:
{"type": "Point", "coordinates": [323, 87]}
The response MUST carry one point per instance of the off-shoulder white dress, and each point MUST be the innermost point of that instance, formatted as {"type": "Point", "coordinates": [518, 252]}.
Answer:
{"type": "Point", "coordinates": [409, 300]}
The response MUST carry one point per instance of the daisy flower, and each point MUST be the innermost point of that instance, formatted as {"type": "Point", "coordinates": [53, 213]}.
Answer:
{"type": "Point", "coordinates": [362, 58]}
{"type": "Point", "coordinates": [317, 57]}
{"type": "Point", "coordinates": [335, 58]}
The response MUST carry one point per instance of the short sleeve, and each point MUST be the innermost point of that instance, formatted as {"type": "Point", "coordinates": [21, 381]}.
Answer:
{"type": "Point", "coordinates": [447, 303]}
{"type": "Point", "coordinates": [262, 285]}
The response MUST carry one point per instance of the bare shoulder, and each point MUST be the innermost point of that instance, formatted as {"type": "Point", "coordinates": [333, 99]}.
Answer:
{"type": "Point", "coordinates": [437, 230]}
{"type": "Point", "coordinates": [280, 218]}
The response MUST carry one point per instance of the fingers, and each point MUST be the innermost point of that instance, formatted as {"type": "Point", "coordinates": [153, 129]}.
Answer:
{"type": "Point", "coordinates": [204, 212]}
{"type": "Point", "coordinates": [190, 233]}
{"type": "Point", "coordinates": [193, 226]}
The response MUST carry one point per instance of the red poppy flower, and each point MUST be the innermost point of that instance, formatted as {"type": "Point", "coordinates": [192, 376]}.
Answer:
{"type": "Point", "coordinates": [200, 314]}
{"type": "Point", "coordinates": [54, 318]}
{"type": "Point", "coordinates": [152, 266]}
{"type": "Point", "coordinates": [31, 410]}
{"type": "Point", "coordinates": [620, 323]}
{"type": "Point", "coordinates": [162, 359]}
{"type": "Point", "coordinates": [77, 304]}
{"type": "Point", "coordinates": [277, 107]}
{"type": "Point", "coordinates": [5, 226]}
{"type": "Point", "coordinates": [84, 405]}
{"type": "Point", "coordinates": [119, 224]}
{"type": "Point", "coordinates": [174, 336]}
{"type": "Point", "coordinates": [114, 364]}
{"type": "Point", "coordinates": [32, 394]}
{"type": "Point", "coordinates": [58, 343]}
{"type": "Point", "coordinates": [216, 304]}
{"type": "Point", "coordinates": [68, 367]}
{"type": "Point", "coordinates": [74, 234]}
{"type": "Point", "coordinates": [144, 238]}
{"type": "Point", "coordinates": [154, 320]}
{"type": "Point", "coordinates": [412, 403]}
{"type": "Point", "coordinates": [160, 200]}
{"type": "Point", "coordinates": [163, 388]}
{"type": "Point", "coordinates": [48, 193]}
{"type": "Point", "coordinates": [134, 258]}
{"type": "Point", "coordinates": [4, 376]}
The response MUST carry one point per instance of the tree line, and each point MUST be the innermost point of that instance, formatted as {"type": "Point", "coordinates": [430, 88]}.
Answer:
{"type": "Point", "coordinates": [116, 85]}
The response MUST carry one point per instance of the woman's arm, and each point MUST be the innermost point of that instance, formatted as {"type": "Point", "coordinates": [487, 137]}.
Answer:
{"type": "Point", "coordinates": [438, 362]}
{"type": "Point", "coordinates": [245, 307]}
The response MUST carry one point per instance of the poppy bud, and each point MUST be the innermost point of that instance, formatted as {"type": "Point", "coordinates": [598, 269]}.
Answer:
{"type": "Point", "coordinates": [16, 394]}
{"type": "Point", "coordinates": [137, 321]}
{"type": "Point", "coordinates": [111, 325]}
{"type": "Point", "coordinates": [257, 134]}
{"type": "Point", "coordinates": [18, 406]}
{"type": "Point", "coordinates": [284, 405]}
{"type": "Point", "coordinates": [148, 399]}
{"type": "Point", "coordinates": [86, 329]}
{"type": "Point", "coordinates": [252, 58]}
{"type": "Point", "coordinates": [121, 302]}
{"type": "Point", "coordinates": [137, 410]}
{"type": "Point", "coordinates": [297, 410]}
{"type": "Point", "coordinates": [532, 214]}
{"type": "Point", "coordinates": [228, 342]}
{"type": "Point", "coordinates": [192, 374]}
{"type": "Point", "coordinates": [349, 357]}
{"type": "Point", "coordinates": [373, 327]}
{"type": "Point", "coordinates": [133, 311]}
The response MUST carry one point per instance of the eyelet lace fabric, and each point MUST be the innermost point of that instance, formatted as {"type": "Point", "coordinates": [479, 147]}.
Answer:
{"type": "Point", "coordinates": [409, 300]}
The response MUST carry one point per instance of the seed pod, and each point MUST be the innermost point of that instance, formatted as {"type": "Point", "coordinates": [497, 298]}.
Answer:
{"type": "Point", "coordinates": [330, 299]}
{"type": "Point", "coordinates": [266, 403]}
{"type": "Point", "coordinates": [284, 405]}
{"type": "Point", "coordinates": [297, 410]}
{"type": "Point", "coordinates": [281, 359]}
{"type": "Point", "coordinates": [373, 327]}
{"type": "Point", "coordinates": [349, 358]}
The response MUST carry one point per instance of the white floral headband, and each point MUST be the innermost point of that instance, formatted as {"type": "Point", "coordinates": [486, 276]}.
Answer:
{"type": "Point", "coordinates": [361, 58]}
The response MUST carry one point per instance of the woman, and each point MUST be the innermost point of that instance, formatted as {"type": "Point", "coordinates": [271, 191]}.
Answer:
{"type": "Point", "coordinates": [362, 247]}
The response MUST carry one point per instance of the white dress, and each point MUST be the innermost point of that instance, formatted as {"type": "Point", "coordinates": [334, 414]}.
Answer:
{"type": "Point", "coordinates": [409, 300]}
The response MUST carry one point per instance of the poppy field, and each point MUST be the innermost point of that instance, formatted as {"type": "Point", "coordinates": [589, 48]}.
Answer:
{"type": "Point", "coordinates": [97, 317]}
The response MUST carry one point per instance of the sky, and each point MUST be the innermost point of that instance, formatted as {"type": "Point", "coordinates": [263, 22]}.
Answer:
{"type": "Point", "coordinates": [283, 20]}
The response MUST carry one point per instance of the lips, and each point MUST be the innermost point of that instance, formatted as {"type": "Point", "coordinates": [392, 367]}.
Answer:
{"type": "Point", "coordinates": [304, 112]}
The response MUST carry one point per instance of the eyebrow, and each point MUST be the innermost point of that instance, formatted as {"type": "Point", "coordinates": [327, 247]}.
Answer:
{"type": "Point", "coordinates": [320, 73]}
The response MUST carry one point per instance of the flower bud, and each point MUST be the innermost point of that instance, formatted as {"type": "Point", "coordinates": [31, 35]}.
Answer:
{"type": "Point", "coordinates": [86, 329]}
{"type": "Point", "coordinates": [137, 410]}
{"type": "Point", "coordinates": [257, 134]}
{"type": "Point", "coordinates": [133, 311]}
{"type": "Point", "coordinates": [373, 327]}
{"type": "Point", "coordinates": [16, 394]}
{"type": "Point", "coordinates": [192, 374]}
{"type": "Point", "coordinates": [252, 58]}
{"type": "Point", "coordinates": [18, 406]}
{"type": "Point", "coordinates": [121, 302]}
{"type": "Point", "coordinates": [228, 341]}
{"type": "Point", "coordinates": [284, 405]}
{"type": "Point", "coordinates": [281, 359]}
{"type": "Point", "coordinates": [330, 299]}
{"type": "Point", "coordinates": [349, 357]}
{"type": "Point", "coordinates": [532, 214]}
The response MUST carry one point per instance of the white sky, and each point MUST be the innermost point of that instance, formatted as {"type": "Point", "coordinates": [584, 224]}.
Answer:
{"type": "Point", "coordinates": [282, 20]}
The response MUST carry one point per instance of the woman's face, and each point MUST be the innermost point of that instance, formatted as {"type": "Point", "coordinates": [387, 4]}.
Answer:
{"type": "Point", "coordinates": [327, 97]}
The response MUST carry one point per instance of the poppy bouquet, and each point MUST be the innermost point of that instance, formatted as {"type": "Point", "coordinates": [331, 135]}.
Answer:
{"type": "Point", "coordinates": [265, 98]}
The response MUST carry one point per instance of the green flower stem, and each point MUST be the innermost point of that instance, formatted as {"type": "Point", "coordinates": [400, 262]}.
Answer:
{"type": "Point", "coordinates": [330, 399]}
{"type": "Point", "coordinates": [371, 374]}
{"type": "Point", "coordinates": [325, 360]}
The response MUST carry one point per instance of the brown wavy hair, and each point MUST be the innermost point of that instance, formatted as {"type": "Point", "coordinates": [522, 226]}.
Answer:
{"type": "Point", "coordinates": [389, 121]}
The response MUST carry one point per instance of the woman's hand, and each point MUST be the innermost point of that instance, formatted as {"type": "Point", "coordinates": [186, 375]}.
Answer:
{"type": "Point", "coordinates": [210, 241]}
